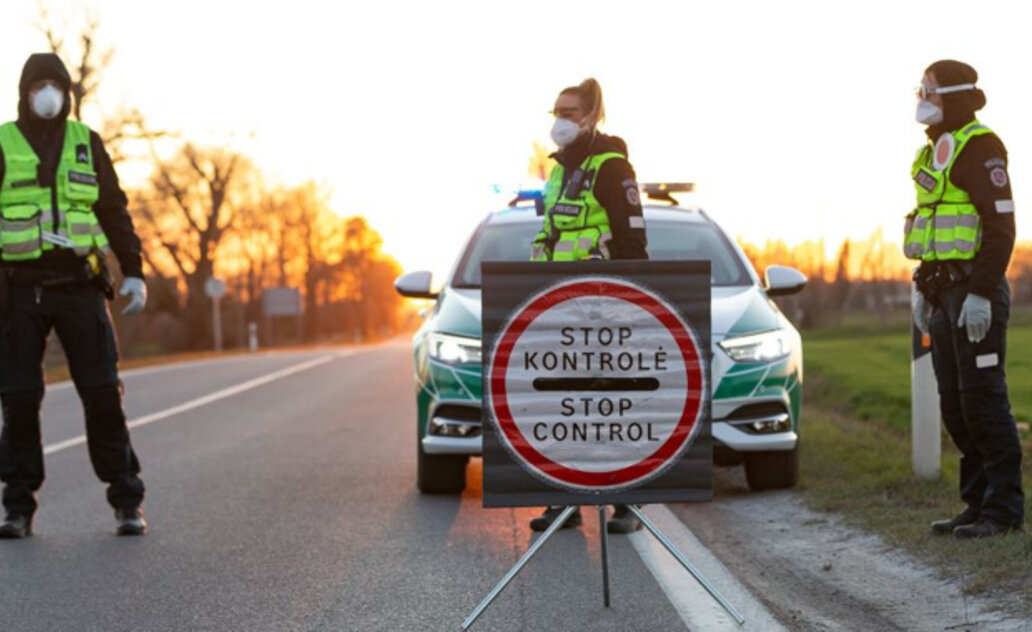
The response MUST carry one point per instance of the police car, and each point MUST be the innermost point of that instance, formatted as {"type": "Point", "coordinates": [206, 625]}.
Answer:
{"type": "Point", "coordinates": [757, 369]}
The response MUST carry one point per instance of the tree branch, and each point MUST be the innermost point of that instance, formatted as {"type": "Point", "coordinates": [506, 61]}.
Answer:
{"type": "Point", "coordinates": [167, 186]}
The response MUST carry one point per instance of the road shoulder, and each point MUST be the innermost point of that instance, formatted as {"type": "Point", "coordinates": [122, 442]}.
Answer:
{"type": "Point", "coordinates": [816, 573]}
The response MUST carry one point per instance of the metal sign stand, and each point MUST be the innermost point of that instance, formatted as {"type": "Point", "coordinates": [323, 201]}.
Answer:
{"type": "Point", "coordinates": [688, 566]}
{"type": "Point", "coordinates": [604, 537]}
{"type": "Point", "coordinates": [558, 522]}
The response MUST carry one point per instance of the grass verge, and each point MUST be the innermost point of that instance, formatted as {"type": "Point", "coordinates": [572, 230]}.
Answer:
{"type": "Point", "coordinates": [856, 456]}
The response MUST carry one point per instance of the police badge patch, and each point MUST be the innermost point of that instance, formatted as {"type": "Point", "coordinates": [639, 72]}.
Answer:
{"type": "Point", "coordinates": [567, 210]}
{"type": "Point", "coordinates": [82, 153]}
{"type": "Point", "coordinates": [925, 180]}
{"type": "Point", "coordinates": [631, 190]}
{"type": "Point", "coordinates": [82, 178]}
{"type": "Point", "coordinates": [998, 176]}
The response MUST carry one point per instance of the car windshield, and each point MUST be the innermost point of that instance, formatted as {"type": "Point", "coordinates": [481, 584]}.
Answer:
{"type": "Point", "coordinates": [668, 240]}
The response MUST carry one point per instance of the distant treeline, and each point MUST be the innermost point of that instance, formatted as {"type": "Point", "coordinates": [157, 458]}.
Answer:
{"type": "Point", "coordinates": [207, 211]}
{"type": "Point", "coordinates": [867, 275]}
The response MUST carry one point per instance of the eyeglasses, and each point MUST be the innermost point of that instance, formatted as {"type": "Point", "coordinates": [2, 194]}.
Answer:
{"type": "Point", "coordinates": [566, 113]}
{"type": "Point", "coordinates": [923, 91]}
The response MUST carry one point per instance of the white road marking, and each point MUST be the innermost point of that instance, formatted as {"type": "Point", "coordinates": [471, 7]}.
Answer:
{"type": "Point", "coordinates": [698, 610]}
{"type": "Point", "coordinates": [161, 368]}
{"type": "Point", "coordinates": [211, 397]}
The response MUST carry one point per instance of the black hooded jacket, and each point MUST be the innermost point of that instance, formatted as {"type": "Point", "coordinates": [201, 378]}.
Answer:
{"type": "Point", "coordinates": [981, 170]}
{"type": "Point", "coordinates": [47, 139]}
{"type": "Point", "coordinates": [615, 187]}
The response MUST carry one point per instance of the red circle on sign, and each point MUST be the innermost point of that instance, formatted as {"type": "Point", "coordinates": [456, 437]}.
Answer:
{"type": "Point", "coordinates": [651, 464]}
{"type": "Point", "coordinates": [942, 152]}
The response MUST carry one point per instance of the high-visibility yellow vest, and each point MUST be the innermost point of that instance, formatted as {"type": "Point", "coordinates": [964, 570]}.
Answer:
{"type": "Point", "coordinates": [576, 224]}
{"type": "Point", "coordinates": [945, 226]}
{"type": "Point", "coordinates": [34, 218]}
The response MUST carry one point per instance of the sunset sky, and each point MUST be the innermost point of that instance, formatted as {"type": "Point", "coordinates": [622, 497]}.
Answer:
{"type": "Point", "coordinates": [796, 119]}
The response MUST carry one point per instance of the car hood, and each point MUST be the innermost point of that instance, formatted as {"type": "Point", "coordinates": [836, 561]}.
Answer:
{"type": "Point", "coordinates": [736, 311]}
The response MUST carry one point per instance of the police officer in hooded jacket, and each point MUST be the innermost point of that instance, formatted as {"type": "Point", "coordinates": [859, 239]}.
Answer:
{"type": "Point", "coordinates": [592, 211]}
{"type": "Point", "coordinates": [61, 211]}
{"type": "Point", "coordinates": [962, 231]}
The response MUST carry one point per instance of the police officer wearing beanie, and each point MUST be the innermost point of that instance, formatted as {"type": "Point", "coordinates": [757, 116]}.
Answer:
{"type": "Point", "coordinates": [61, 211]}
{"type": "Point", "coordinates": [962, 231]}
{"type": "Point", "coordinates": [592, 211]}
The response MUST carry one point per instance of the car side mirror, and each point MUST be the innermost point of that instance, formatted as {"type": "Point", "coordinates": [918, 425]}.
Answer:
{"type": "Point", "coordinates": [415, 285]}
{"type": "Point", "coordinates": [783, 280]}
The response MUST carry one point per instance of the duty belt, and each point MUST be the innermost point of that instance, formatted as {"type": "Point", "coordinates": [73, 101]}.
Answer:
{"type": "Point", "coordinates": [932, 278]}
{"type": "Point", "coordinates": [46, 278]}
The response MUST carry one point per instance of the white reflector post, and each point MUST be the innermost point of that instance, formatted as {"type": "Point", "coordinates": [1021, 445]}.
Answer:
{"type": "Point", "coordinates": [925, 419]}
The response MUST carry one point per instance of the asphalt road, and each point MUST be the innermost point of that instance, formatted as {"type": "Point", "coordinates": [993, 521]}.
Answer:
{"type": "Point", "coordinates": [288, 502]}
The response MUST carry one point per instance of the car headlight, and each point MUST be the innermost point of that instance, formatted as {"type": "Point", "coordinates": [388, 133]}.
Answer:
{"type": "Point", "coordinates": [765, 347]}
{"type": "Point", "coordinates": [453, 349]}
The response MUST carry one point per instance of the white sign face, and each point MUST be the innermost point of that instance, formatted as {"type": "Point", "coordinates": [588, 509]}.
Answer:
{"type": "Point", "coordinates": [281, 301]}
{"type": "Point", "coordinates": [596, 384]}
{"type": "Point", "coordinates": [215, 288]}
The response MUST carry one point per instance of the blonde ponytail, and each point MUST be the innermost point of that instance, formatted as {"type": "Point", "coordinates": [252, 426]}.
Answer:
{"type": "Point", "coordinates": [590, 94]}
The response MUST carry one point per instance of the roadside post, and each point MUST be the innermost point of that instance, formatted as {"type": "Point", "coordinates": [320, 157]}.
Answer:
{"type": "Point", "coordinates": [596, 392]}
{"type": "Point", "coordinates": [925, 418]}
{"type": "Point", "coordinates": [215, 288]}
{"type": "Point", "coordinates": [252, 336]}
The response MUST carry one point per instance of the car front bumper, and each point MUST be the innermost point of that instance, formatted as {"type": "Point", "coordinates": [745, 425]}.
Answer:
{"type": "Point", "coordinates": [723, 432]}
{"type": "Point", "coordinates": [765, 396]}
{"type": "Point", "coordinates": [726, 433]}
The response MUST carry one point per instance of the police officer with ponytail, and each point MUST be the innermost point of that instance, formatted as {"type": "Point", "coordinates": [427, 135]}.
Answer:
{"type": "Point", "coordinates": [962, 231]}
{"type": "Point", "coordinates": [592, 211]}
{"type": "Point", "coordinates": [61, 211]}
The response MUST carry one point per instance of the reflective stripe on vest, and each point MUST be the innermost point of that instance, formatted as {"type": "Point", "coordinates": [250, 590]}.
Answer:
{"type": "Point", "coordinates": [576, 225]}
{"type": "Point", "coordinates": [29, 223]}
{"type": "Point", "coordinates": [945, 225]}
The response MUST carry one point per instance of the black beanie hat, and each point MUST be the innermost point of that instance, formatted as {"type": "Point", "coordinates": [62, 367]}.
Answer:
{"type": "Point", "coordinates": [949, 72]}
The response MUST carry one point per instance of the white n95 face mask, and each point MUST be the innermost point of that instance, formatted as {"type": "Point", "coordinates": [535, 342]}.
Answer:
{"type": "Point", "coordinates": [565, 131]}
{"type": "Point", "coordinates": [928, 113]}
{"type": "Point", "coordinates": [47, 103]}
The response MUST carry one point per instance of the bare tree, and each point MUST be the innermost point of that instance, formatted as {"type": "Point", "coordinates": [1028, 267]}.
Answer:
{"type": "Point", "coordinates": [90, 59]}
{"type": "Point", "coordinates": [87, 61]}
{"type": "Point", "coordinates": [194, 199]}
{"type": "Point", "coordinates": [841, 287]}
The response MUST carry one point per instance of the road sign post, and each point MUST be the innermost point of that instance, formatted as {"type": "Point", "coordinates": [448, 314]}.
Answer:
{"type": "Point", "coordinates": [596, 391]}
{"type": "Point", "coordinates": [604, 537]}
{"type": "Point", "coordinates": [215, 289]}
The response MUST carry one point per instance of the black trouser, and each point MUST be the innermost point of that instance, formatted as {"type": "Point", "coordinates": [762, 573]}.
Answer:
{"type": "Point", "coordinates": [80, 316]}
{"type": "Point", "coordinates": [975, 408]}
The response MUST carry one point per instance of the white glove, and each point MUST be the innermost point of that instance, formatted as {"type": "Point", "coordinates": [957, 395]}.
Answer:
{"type": "Point", "coordinates": [922, 310]}
{"type": "Point", "coordinates": [976, 314]}
{"type": "Point", "coordinates": [136, 289]}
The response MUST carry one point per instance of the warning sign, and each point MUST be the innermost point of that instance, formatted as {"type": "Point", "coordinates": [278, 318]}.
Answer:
{"type": "Point", "coordinates": [596, 383]}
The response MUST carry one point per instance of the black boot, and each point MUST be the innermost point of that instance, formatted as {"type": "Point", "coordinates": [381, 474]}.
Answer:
{"type": "Point", "coordinates": [946, 527]}
{"type": "Point", "coordinates": [16, 526]}
{"type": "Point", "coordinates": [130, 521]}
{"type": "Point", "coordinates": [984, 528]}
{"type": "Point", "coordinates": [623, 521]}
{"type": "Point", "coordinates": [545, 520]}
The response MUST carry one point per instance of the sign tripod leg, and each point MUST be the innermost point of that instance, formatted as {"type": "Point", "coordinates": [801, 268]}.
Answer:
{"type": "Point", "coordinates": [688, 566]}
{"type": "Point", "coordinates": [500, 586]}
{"type": "Point", "coordinates": [604, 538]}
